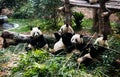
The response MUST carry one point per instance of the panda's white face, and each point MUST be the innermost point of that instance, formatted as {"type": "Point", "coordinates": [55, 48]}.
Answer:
{"type": "Point", "coordinates": [36, 32]}
{"type": "Point", "coordinates": [66, 29]}
{"type": "Point", "coordinates": [77, 39]}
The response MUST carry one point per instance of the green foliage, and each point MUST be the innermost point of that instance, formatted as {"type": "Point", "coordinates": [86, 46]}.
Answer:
{"type": "Point", "coordinates": [115, 42]}
{"type": "Point", "coordinates": [78, 16]}
{"type": "Point", "coordinates": [117, 27]}
{"type": "Point", "coordinates": [87, 23]}
{"type": "Point", "coordinates": [24, 25]}
{"type": "Point", "coordinates": [29, 65]}
{"type": "Point", "coordinates": [26, 11]}
{"type": "Point", "coordinates": [78, 19]}
{"type": "Point", "coordinates": [42, 64]}
{"type": "Point", "coordinates": [15, 4]}
{"type": "Point", "coordinates": [47, 9]}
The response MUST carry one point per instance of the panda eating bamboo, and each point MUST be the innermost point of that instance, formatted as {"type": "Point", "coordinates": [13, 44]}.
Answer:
{"type": "Point", "coordinates": [64, 29]}
{"type": "Point", "coordinates": [36, 40]}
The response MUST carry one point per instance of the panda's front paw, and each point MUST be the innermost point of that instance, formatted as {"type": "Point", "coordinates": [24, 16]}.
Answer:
{"type": "Point", "coordinates": [28, 48]}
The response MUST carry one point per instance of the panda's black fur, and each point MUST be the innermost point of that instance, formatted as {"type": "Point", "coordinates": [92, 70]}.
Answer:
{"type": "Point", "coordinates": [38, 42]}
{"type": "Point", "coordinates": [94, 52]}
{"type": "Point", "coordinates": [57, 36]}
{"type": "Point", "coordinates": [66, 39]}
{"type": "Point", "coordinates": [82, 46]}
{"type": "Point", "coordinates": [64, 29]}
{"type": "Point", "coordinates": [92, 1]}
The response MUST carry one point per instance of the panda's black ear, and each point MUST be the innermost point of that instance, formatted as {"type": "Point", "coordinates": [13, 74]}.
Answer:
{"type": "Point", "coordinates": [76, 40]}
{"type": "Point", "coordinates": [30, 27]}
{"type": "Point", "coordinates": [67, 25]}
{"type": "Point", "coordinates": [38, 27]}
{"type": "Point", "coordinates": [81, 36]}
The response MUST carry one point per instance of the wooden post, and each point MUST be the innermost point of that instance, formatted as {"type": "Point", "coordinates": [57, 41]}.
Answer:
{"type": "Point", "coordinates": [67, 13]}
{"type": "Point", "coordinates": [95, 20]}
{"type": "Point", "coordinates": [104, 22]}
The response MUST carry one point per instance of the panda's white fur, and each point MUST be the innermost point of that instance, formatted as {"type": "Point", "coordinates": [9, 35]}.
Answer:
{"type": "Point", "coordinates": [64, 43]}
{"type": "Point", "coordinates": [81, 59]}
{"type": "Point", "coordinates": [35, 34]}
{"type": "Point", "coordinates": [99, 41]}
{"type": "Point", "coordinates": [63, 29]}
{"type": "Point", "coordinates": [76, 39]}
{"type": "Point", "coordinates": [59, 45]}
{"type": "Point", "coordinates": [66, 29]}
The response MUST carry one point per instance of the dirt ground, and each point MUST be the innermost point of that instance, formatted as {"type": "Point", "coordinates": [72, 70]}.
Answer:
{"type": "Point", "coordinates": [88, 12]}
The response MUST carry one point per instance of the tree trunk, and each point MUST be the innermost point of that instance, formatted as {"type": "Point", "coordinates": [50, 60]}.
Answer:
{"type": "Point", "coordinates": [104, 22]}
{"type": "Point", "coordinates": [95, 20]}
{"type": "Point", "coordinates": [67, 13]}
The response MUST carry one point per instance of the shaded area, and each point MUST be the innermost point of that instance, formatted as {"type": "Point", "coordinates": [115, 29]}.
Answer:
{"type": "Point", "coordinates": [5, 25]}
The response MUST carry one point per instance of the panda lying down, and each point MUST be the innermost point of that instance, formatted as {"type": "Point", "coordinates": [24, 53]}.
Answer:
{"type": "Point", "coordinates": [95, 51]}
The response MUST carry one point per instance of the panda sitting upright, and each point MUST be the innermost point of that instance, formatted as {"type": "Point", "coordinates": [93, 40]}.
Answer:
{"type": "Point", "coordinates": [64, 44]}
{"type": "Point", "coordinates": [64, 29]}
{"type": "Point", "coordinates": [80, 42]}
{"type": "Point", "coordinates": [36, 40]}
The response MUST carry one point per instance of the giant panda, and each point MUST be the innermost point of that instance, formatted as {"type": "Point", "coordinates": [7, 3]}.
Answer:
{"type": "Point", "coordinates": [95, 51]}
{"type": "Point", "coordinates": [92, 1]}
{"type": "Point", "coordinates": [36, 40]}
{"type": "Point", "coordinates": [64, 44]}
{"type": "Point", "coordinates": [80, 41]}
{"type": "Point", "coordinates": [63, 29]}
{"type": "Point", "coordinates": [102, 41]}
{"type": "Point", "coordinates": [66, 29]}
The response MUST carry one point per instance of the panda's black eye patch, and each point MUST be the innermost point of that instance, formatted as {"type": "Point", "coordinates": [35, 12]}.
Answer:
{"type": "Point", "coordinates": [72, 39]}
{"type": "Point", "coordinates": [38, 33]}
{"type": "Point", "coordinates": [33, 33]}
{"type": "Point", "coordinates": [61, 30]}
{"type": "Point", "coordinates": [76, 40]}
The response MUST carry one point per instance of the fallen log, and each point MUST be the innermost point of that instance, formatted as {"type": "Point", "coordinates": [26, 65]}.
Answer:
{"type": "Point", "coordinates": [13, 38]}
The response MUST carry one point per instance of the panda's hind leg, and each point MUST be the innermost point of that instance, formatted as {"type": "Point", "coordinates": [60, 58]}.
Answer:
{"type": "Point", "coordinates": [29, 47]}
{"type": "Point", "coordinates": [86, 59]}
{"type": "Point", "coordinates": [59, 52]}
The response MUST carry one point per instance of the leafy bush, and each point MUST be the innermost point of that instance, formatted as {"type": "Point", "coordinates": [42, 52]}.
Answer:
{"type": "Point", "coordinates": [41, 63]}
{"type": "Point", "coordinates": [24, 12]}
{"type": "Point", "coordinates": [78, 19]}
{"type": "Point", "coordinates": [29, 65]}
